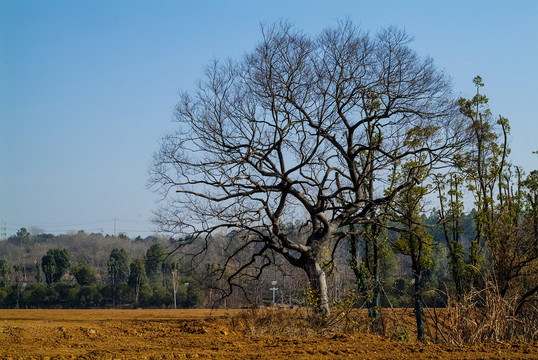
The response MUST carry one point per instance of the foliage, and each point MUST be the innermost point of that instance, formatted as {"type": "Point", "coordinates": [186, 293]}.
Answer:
{"type": "Point", "coordinates": [23, 234]}
{"type": "Point", "coordinates": [55, 264]}
{"type": "Point", "coordinates": [118, 266]}
{"type": "Point", "coordinates": [5, 272]}
{"type": "Point", "coordinates": [90, 296]}
{"type": "Point", "coordinates": [138, 279]}
{"type": "Point", "coordinates": [154, 262]}
{"type": "Point", "coordinates": [83, 272]}
{"type": "Point", "coordinates": [194, 296]}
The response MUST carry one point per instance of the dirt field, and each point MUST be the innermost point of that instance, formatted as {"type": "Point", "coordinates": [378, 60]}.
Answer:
{"type": "Point", "coordinates": [204, 334]}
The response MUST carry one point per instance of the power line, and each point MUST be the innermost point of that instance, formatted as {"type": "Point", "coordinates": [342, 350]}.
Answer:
{"type": "Point", "coordinates": [85, 222]}
{"type": "Point", "coordinates": [77, 223]}
{"type": "Point", "coordinates": [112, 225]}
{"type": "Point", "coordinates": [88, 230]}
{"type": "Point", "coordinates": [135, 221]}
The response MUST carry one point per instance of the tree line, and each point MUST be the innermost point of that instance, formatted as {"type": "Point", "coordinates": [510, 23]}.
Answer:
{"type": "Point", "coordinates": [56, 281]}
{"type": "Point", "coordinates": [66, 267]}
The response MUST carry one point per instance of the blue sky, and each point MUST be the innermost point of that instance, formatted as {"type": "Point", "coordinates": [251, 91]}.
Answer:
{"type": "Point", "coordinates": [87, 88]}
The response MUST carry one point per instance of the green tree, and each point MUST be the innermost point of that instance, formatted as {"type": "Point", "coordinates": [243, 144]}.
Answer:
{"type": "Point", "coordinates": [64, 295]}
{"type": "Point", "coordinates": [502, 202]}
{"type": "Point", "coordinates": [372, 239]}
{"type": "Point", "coordinates": [118, 266]}
{"type": "Point", "coordinates": [6, 297]}
{"type": "Point", "coordinates": [193, 296]}
{"type": "Point", "coordinates": [118, 270]}
{"type": "Point", "coordinates": [531, 185]}
{"type": "Point", "coordinates": [90, 296]}
{"type": "Point", "coordinates": [154, 261]}
{"type": "Point", "coordinates": [83, 272]}
{"type": "Point", "coordinates": [55, 264]}
{"type": "Point", "coordinates": [35, 296]}
{"type": "Point", "coordinates": [137, 278]}
{"type": "Point", "coordinates": [161, 296]}
{"type": "Point", "coordinates": [450, 216]}
{"type": "Point", "coordinates": [372, 233]}
{"type": "Point", "coordinates": [123, 294]}
{"type": "Point", "coordinates": [521, 244]}
{"type": "Point", "coordinates": [5, 272]}
{"type": "Point", "coordinates": [23, 234]}
{"type": "Point", "coordinates": [483, 167]}
{"type": "Point", "coordinates": [39, 275]}
{"type": "Point", "coordinates": [414, 240]}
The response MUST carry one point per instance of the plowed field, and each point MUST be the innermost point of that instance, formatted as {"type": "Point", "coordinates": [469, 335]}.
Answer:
{"type": "Point", "coordinates": [204, 334]}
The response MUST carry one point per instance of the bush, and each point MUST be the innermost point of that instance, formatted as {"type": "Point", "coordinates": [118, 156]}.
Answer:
{"type": "Point", "coordinates": [194, 297]}
{"type": "Point", "coordinates": [124, 293]}
{"type": "Point", "coordinates": [162, 296]}
{"type": "Point", "coordinates": [5, 296]}
{"type": "Point", "coordinates": [67, 294]}
{"type": "Point", "coordinates": [90, 296]}
{"type": "Point", "coordinates": [34, 296]}
{"type": "Point", "coordinates": [146, 295]}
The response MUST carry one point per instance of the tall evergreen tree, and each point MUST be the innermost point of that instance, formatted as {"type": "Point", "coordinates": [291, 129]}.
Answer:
{"type": "Point", "coordinates": [55, 264]}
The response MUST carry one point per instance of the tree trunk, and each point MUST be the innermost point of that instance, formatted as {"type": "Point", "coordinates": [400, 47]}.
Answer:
{"type": "Point", "coordinates": [354, 263]}
{"type": "Point", "coordinates": [374, 309]}
{"type": "Point", "coordinates": [419, 311]}
{"type": "Point", "coordinates": [535, 217]}
{"type": "Point", "coordinates": [318, 286]}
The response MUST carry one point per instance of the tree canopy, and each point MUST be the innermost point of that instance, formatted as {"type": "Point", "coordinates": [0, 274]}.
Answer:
{"type": "Point", "coordinates": [55, 264]}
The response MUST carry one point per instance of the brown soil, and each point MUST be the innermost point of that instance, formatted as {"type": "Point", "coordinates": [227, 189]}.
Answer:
{"type": "Point", "coordinates": [204, 334]}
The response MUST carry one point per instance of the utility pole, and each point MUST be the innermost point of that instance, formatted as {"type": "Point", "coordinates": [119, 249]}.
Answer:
{"type": "Point", "coordinates": [3, 231]}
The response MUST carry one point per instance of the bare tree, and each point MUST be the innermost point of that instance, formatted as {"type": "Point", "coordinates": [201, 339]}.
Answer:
{"type": "Point", "coordinates": [296, 132]}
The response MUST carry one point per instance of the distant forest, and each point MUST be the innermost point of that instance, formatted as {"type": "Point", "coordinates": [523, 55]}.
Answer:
{"type": "Point", "coordinates": [93, 271]}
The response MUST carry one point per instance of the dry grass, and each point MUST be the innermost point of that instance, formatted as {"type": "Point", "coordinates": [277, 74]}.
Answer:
{"type": "Point", "coordinates": [304, 322]}
{"type": "Point", "coordinates": [480, 317]}
{"type": "Point", "coordinates": [484, 316]}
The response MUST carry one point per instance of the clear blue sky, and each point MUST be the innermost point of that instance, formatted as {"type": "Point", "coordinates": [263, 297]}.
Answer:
{"type": "Point", "coordinates": [87, 88]}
